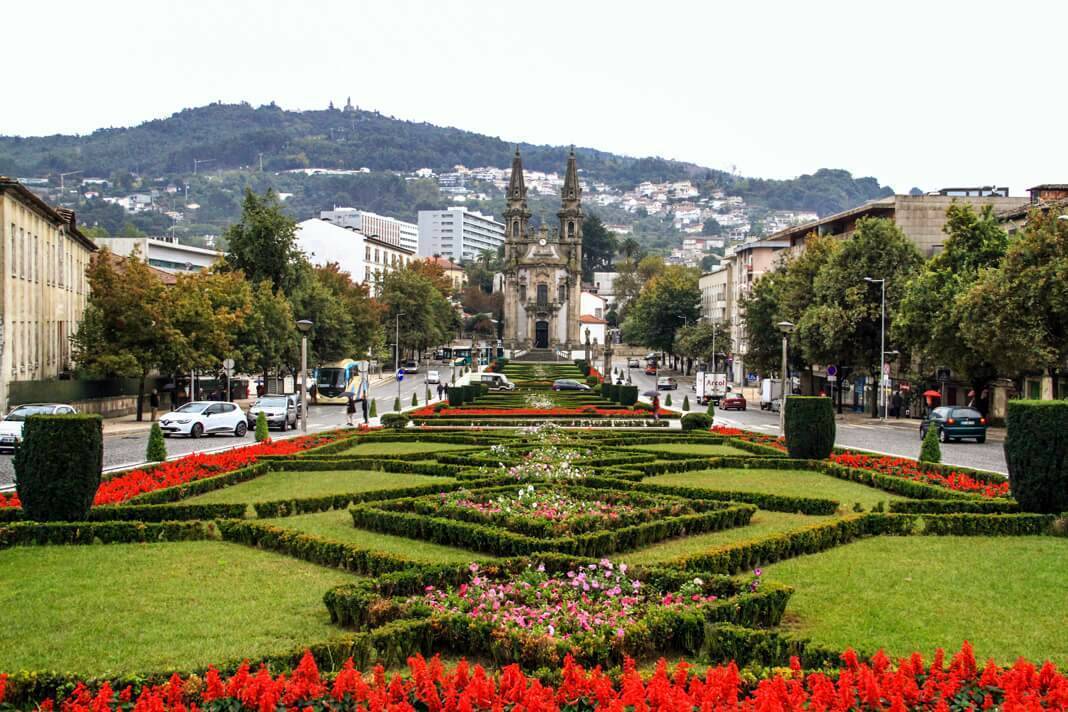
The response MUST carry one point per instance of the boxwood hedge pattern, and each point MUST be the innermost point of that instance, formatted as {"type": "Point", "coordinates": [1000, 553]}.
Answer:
{"type": "Point", "coordinates": [743, 628]}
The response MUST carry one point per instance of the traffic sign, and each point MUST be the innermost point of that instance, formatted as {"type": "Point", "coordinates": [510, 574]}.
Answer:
{"type": "Point", "coordinates": [832, 372]}
{"type": "Point", "coordinates": [831, 378]}
{"type": "Point", "coordinates": [886, 369]}
{"type": "Point", "coordinates": [228, 364]}
{"type": "Point", "coordinates": [400, 374]}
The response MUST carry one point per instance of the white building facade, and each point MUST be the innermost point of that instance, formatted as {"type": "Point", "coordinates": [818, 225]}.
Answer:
{"type": "Point", "coordinates": [391, 230]}
{"type": "Point", "coordinates": [365, 258]}
{"type": "Point", "coordinates": [458, 233]}
{"type": "Point", "coordinates": [163, 253]}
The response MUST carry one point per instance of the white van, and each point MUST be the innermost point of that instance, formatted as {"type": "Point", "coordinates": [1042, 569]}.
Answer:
{"type": "Point", "coordinates": [495, 381]}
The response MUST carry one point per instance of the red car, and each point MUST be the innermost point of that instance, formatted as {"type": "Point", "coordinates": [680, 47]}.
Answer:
{"type": "Point", "coordinates": [650, 370]}
{"type": "Point", "coordinates": [732, 401]}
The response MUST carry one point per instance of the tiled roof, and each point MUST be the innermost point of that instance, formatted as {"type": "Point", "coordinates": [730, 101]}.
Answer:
{"type": "Point", "coordinates": [591, 319]}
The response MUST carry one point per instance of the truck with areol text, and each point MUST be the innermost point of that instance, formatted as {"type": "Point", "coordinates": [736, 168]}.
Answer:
{"type": "Point", "coordinates": [710, 387]}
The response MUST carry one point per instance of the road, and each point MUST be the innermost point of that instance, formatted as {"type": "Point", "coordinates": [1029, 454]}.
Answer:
{"type": "Point", "coordinates": [902, 441]}
{"type": "Point", "coordinates": [128, 449]}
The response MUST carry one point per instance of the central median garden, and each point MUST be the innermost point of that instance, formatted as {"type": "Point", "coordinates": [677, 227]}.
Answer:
{"type": "Point", "coordinates": [532, 545]}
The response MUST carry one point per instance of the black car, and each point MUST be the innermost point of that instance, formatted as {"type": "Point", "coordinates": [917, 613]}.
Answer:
{"type": "Point", "coordinates": [567, 384]}
{"type": "Point", "coordinates": [956, 422]}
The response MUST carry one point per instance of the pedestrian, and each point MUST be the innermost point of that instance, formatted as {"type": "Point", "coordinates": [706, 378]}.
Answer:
{"type": "Point", "coordinates": [896, 403]}
{"type": "Point", "coordinates": [350, 410]}
{"type": "Point", "coordinates": [363, 401]}
{"type": "Point", "coordinates": [153, 403]}
{"type": "Point", "coordinates": [656, 407]}
{"type": "Point", "coordinates": [440, 387]}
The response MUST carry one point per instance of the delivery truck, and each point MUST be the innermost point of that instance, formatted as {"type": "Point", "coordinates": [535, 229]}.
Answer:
{"type": "Point", "coordinates": [710, 387]}
{"type": "Point", "coordinates": [771, 394]}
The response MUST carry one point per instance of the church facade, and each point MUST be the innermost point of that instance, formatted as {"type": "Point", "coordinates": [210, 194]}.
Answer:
{"type": "Point", "coordinates": [542, 275]}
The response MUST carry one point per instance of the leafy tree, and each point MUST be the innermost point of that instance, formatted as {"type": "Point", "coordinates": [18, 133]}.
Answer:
{"type": "Point", "coordinates": [630, 249]}
{"type": "Point", "coordinates": [796, 296]}
{"type": "Point", "coordinates": [345, 321]}
{"type": "Point", "coordinates": [930, 319]}
{"type": "Point", "coordinates": [263, 244]}
{"type": "Point", "coordinates": [1016, 316]}
{"type": "Point", "coordinates": [429, 319]}
{"type": "Point", "coordinates": [760, 314]}
{"type": "Point", "coordinates": [712, 227]}
{"type": "Point", "coordinates": [208, 309]}
{"type": "Point", "coordinates": [267, 338]}
{"type": "Point", "coordinates": [598, 247]}
{"type": "Point", "coordinates": [695, 341]}
{"type": "Point", "coordinates": [126, 328]}
{"type": "Point", "coordinates": [666, 303]}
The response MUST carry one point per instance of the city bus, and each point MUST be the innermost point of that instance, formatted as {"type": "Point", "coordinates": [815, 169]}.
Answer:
{"type": "Point", "coordinates": [334, 379]}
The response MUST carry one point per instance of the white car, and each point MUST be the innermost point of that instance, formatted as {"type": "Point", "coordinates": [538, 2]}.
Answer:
{"type": "Point", "coordinates": [432, 377]}
{"type": "Point", "coordinates": [11, 425]}
{"type": "Point", "coordinates": [205, 418]}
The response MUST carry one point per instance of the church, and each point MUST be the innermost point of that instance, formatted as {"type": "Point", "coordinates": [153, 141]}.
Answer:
{"type": "Point", "coordinates": [542, 273]}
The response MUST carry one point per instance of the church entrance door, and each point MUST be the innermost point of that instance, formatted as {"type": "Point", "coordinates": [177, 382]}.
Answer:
{"type": "Point", "coordinates": [541, 335]}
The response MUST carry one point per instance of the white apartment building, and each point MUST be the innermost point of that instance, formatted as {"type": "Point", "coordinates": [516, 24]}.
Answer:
{"type": "Point", "coordinates": [365, 258]}
{"type": "Point", "coordinates": [605, 285]}
{"type": "Point", "coordinates": [44, 286]}
{"type": "Point", "coordinates": [164, 253]}
{"type": "Point", "coordinates": [715, 286]}
{"type": "Point", "coordinates": [458, 233]}
{"type": "Point", "coordinates": [748, 262]}
{"type": "Point", "coordinates": [391, 230]}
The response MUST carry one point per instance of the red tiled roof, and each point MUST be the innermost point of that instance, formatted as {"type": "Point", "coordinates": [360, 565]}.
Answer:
{"type": "Point", "coordinates": [443, 262]}
{"type": "Point", "coordinates": [591, 319]}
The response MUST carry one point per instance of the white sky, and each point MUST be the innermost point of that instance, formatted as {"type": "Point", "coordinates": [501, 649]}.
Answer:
{"type": "Point", "coordinates": [914, 93]}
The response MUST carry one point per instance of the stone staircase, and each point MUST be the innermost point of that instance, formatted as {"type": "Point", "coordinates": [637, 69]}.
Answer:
{"type": "Point", "coordinates": [538, 356]}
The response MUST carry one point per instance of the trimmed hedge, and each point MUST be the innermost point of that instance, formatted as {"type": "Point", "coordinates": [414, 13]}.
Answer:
{"type": "Point", "coordinates": [37, 533]}
{"type": "Point", "coordinates": [395, 421]}
{"type": "Point", "coordinates": [954, 506]}
{"type": "Point", "coordinates": [628, 395]}
{"type": "Point", "coordinates": [809, 427]}
{"type": "Point", "coordinates": [1036, 451]}
{"type": "Point", "coordinates": [58, 466]}
{"type": "Point", "coordinates": [696, 421]}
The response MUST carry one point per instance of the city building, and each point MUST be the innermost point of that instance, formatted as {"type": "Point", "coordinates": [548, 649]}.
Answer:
{"type": "Point", "coordinates": [44, 293]}
{"type": "Point", "coordinates": [164, 253]}
{"type": "Point", "coordinates": [1045, 197]}
{"type": "Point", "coordinates": [593, 304]}
{"type": "Point", "coordinates": [458, 233]}
{"type": "Point", "coordinates": [454, 272]}
{"type": "Point", "coordinates": [604, 283]}
{"type": "Point", "coordinates": [716, 297]}
{"type": "Point", "coordinates": [543, 270]}
{"type": "Point", "coordinates": [391, 230]}
{"type": "Point", "coordinates": [748, 261]}
{"type": "Point", "coordinates": [597, 327]}
{"type": "Point", "coordinates": [365, 258]}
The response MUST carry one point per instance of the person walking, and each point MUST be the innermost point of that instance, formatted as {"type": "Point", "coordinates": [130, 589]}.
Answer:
{"type": "Point", "coordinates": [656, 407]}
{"type": "Point", "coordinates": [363, 401]}
{"type": "Point", "coordinates": [350, 410]}
{"type": "Point", "coordinates": [153, 403]}
{"type": "Point", "coordinates": [895, 404]}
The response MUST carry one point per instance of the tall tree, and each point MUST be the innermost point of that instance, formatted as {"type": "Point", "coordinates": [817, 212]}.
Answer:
{"type": "Point", "coordinates": [267, 339]}
{"type": "Point", "coordinates": [263, 245]}
{"type": "Point", "coordinates": [668, 301]}
{"type": "Point", "coordinates": [428, 317]}
{"type": "Point", "coordinates": [762, 351]}
{"type": "Point", "coordinates": [598, 247]}
{"type": "Point", "coordinates": [703, 340]}
{"type": "Point", "coordinates": [930, 319]}
{"type": "Point", "coordinates": [1016, 316]}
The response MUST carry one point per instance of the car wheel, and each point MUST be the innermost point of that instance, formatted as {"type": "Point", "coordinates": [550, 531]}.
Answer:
{"type": "Point", "coordinates": [196, 431]}
{"type": "Point", "coordinates": [981, 439]}
{"type": "Point", "coordinates": [241, 429]}
{"type": "Point", "coordinates": [942, 436]}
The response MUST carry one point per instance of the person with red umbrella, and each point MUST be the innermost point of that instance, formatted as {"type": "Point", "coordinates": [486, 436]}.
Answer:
{"type": "Point", "coordinates": [931, 396]}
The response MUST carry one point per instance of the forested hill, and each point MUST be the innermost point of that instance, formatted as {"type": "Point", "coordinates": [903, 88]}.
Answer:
{"type": "Point", "coordinates": [235, 136]}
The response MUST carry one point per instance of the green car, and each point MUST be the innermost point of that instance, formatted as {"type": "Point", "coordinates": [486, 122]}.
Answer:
{"type": "Point", "coordinates": [956, 422]}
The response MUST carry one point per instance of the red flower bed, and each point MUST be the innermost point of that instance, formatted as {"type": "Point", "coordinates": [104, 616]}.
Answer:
{"type": "Point", "coordinates": [875, 685]}
{"type": "Point", "coordinates": [194, 467]}
{"type": "Point", "coordinates": [910, 470]}
{"type": "Point", "coordinates": [585, 411]}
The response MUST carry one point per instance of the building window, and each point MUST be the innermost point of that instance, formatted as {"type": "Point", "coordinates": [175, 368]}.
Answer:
{"type": "Point", "coordinates": [366, 253]}
{"type": "Point", "coordinates": [543, 295]}
{"type": "Point", "coordinates": [522, 293]}
{"type": "Point", "coordinates": [570, 228]}
{"type": "Point", "coordinates": [561, 293]}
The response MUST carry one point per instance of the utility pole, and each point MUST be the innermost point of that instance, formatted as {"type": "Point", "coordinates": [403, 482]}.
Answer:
{"type": "Point", "coordinates": [786, 328]}
{"type": "Point", "coordinates": [198, 161]}
{"type": "Point", "coordinates": [884, 374]}
{"type": "Point", "coordinates": [304, 326]}
{"type": "Point", "coordinates": [261, 161]}
{"type": "Point", "coordinates": [396, 353]}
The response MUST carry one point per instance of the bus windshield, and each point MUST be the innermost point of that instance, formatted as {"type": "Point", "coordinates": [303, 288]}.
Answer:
{"type": "Point", "coordinates": [331, 378]}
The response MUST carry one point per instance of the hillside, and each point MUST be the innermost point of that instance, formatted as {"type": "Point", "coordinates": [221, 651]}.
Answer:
{"type": "Point", "coordinates": [230, 139]}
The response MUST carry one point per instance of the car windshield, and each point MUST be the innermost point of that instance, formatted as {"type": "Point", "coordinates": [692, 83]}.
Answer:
{"type": "Point", "coordinates": [194, 407]}
{"type": "Point", "coordinates": [25, 411]}
{"type": "Point", "coordinates": [967, 413]}
{"type": "Point", "coordinates": [271, 402]}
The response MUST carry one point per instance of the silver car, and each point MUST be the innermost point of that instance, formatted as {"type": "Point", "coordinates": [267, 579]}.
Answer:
{"type": "Point", "coordinates": [280, 411]}
{"type": "Point", "coordinates": [11, 425]}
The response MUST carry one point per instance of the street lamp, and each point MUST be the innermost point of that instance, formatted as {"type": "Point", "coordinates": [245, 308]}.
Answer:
{"type": "Point", "coordinates": [396, 354]}
{"type": "Point", "coordinates": [304, 325]}
{"type": "Point", "coordinates": [883, 370]}
{"type": "Point", "coordinates": [787, 328]}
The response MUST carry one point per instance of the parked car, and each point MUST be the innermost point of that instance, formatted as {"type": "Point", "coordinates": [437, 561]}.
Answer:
{"type": "Point", "coordinates": [410, 367]}
{"type": "Point", "coordinates": [667, 383]}
{"type": "Point", "coordinates": [432, 378]}
{"type": "Point", "coordinates": [280, 411]}
{"type": "Point", "coordinates": [568, 384]}
{"type": "Point", "coordinates": [205, 418]}
{"type": "Point", "coordinates": [11, 425]}
{"type": "Point", "coordinates": [650, 369]}
{"type": "Point", "coordinates": [497, 381]}
{"type": "Point", "coordinates": [634, 362]}
{"type": "Point", "coordinates": [732, 401]}
{"type": "Point", "coordinates": [956, 422]}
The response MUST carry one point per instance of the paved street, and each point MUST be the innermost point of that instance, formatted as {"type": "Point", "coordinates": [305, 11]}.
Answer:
{"type": "Point", "coordinates": [128, 449]}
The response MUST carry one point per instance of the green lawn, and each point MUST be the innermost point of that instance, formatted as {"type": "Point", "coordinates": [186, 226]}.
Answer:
{"type": "Point", "coordinates": [762, 524]}
{"type": "Point", "coordinates": [1007, 595]}
{"type": "Point", "coordinates": [290, 485]}
{"type": "Point", "coordinates": [697, 449]}
{"type": "Point", "coordinates": [791, 483]}
{"type": "Point", "coordinates": [146, 607]}
{"type": "Point", "coordinates": [337, 525]}
{"type": "Point", "coordinates": [401, 448]}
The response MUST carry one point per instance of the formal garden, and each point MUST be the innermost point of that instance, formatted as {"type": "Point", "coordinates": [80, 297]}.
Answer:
{"type": "Point", "coordinates": [538, 566]}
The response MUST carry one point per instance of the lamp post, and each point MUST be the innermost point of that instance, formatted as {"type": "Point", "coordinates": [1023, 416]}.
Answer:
{"type": "Point", "coordinates": [396, 353]}
{"type": "Point", "coordinates": [304, 325]}
{"type": "Point", "coordinates": [786, 328]}
{"type": "Point", "coordinates": [883, 375]}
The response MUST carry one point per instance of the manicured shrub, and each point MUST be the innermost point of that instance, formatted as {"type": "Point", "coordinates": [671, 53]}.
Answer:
{"type": "Point", "coordinates": [1036, 451]}
{"type": "Point", "coordinates": [591, 380]}
{"type": "Point", "coordinates": [395, 421]}
{"type": "Point", "coordinates": [667, 400]}
{"type": "Point", "coordinates": [628, 395]}
{"type": "Point", "coordinates": [396, 404]}
{"type": "Point", "coordinates": [930, 450]}
{"type": "Point", "coordinates": [426, 395]}
{"type": "Point", "coordinates": [686, 403]}
{"type": "Point", "coordinates": [809, 427]}
{"type": "Point", "coordinates": [157, 449]}
{"type": "Point", "coordinates": [456, 396]}
{"type": "Point", "coordinates": [608, 390]}
{"type": "Point", "coordinates": [58, 465]}
{"type": "Point", "coordinates": [711, 409]}
{"type": "Point", "coordinates": [415, 399]}
{"type": "Point", "coordinates": [262, 431]}
{"type": "Point", "coordinates": [374, 409]}
{"type": "Point", "coordinates": [696, 421]}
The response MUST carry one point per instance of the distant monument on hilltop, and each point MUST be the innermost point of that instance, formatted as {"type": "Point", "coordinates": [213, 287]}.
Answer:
{"type": "Point", "coordinates": [543, 271]}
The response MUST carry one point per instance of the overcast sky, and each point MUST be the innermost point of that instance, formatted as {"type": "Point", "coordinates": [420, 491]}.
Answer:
{"type": "Point", "coordinates": [914, 93]}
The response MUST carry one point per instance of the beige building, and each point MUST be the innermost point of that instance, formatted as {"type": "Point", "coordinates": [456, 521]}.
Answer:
{"type": "Point", "coordinates": [715, 286]}
{"type": "Point", "coordinates": [454, 272]}
{"type": "Point", "coordinates": [44, 286]}
{"type": "Point", "coordinates": [747, 262]}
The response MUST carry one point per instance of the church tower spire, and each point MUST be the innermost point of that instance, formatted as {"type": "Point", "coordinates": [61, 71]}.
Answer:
{"type": "Point", "coordinates": [516, 213]}
{"type": "Point", "coordinates": [571, 203]}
